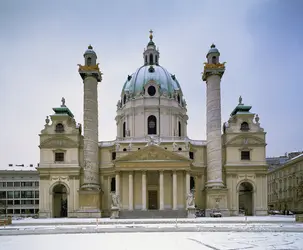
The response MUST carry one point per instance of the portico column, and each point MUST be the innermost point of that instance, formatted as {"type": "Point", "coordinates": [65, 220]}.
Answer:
{"type": "Point", "coordinates": [174, 190]}
{"type": "Point", "coordinates": [161, 183]}
{"type": "Point", "coordinates": [143, 190]}
{"type": "Point", "coordinates": [130, 191]}
{"type": "Point", "coordinates": [109, 179]}
{"type": "Point", "coordinates": [187, 188]}
{"type": "Point", "coordinates": [117, 183]}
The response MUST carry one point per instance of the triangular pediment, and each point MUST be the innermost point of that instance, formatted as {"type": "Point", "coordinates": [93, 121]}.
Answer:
{"type": "Point", "coordinates": [152, 153]}
{"type": "Point", "coordinates": [241, 140]}
{"type": "Point", "coordinates": [59, 142]}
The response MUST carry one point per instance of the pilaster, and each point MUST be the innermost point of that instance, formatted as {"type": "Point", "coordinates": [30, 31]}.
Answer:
{"type": "Point", "coordinates": [143, 190]}
{"type": "Point", "coordinates": [161, 184]}
{"type": "Point", "coordinates": [175, 190]}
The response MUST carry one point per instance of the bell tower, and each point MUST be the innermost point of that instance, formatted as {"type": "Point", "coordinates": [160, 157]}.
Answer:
{"type": "Point", "coordinates": [90, 188]}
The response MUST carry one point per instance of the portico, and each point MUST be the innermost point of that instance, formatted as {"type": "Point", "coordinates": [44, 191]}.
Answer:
{"type": "Point", "coordinates": [152, 179]}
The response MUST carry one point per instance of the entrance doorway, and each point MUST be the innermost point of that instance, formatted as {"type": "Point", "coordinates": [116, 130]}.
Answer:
{"type": "Point", "coordinates": [246, 198]}
{"type": "Point", "coordinates": [152, 200]}
{"type": "Point", "coordinates": [59, 201]}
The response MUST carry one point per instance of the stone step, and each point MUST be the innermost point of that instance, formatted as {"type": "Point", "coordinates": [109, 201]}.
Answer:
{"type": "Point", "coordinates": [137, 214]}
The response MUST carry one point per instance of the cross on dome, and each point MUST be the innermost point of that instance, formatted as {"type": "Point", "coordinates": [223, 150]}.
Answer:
{"type": "Point", "coordinates": [151, 34]}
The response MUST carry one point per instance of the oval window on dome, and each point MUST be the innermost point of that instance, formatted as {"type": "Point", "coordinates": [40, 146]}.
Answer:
{"type": "Point", "coordinates": [151, 90]}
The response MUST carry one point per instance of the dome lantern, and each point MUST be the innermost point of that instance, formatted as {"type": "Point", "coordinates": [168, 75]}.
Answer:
{"type": "Point", "coordinates": [151, 54]}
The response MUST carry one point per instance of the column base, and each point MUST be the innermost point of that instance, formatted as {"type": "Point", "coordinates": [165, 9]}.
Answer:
{"type": "Point", "coordinates": [89, 201]}
{"type": "Point", "coordinates": [216, 201]}
{"type": "Point", "coordinates": [44, 214]}
{"type": "Point", "coordinates": [191, 212]}
{"type": "Point", "coordinates": [261, 212]}
{"type": "Point", "coordinates": [114, 213]}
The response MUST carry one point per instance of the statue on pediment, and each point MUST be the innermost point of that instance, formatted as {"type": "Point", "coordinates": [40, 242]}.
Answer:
{"type": "Point", "coordinates": [117, 146]}
{"type": "Point", "coordinates": [186, 144]}
{"type": "Point", "coordinates": [130, 146]}
{"type": "Point", "coordinates": [150, 140]}
{"type": "Point", "coordinates": [175, 146]}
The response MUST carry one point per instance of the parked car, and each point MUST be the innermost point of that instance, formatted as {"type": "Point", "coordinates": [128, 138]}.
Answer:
{"type": "Point", "coordinates": [200, 213]}
{"type": "Point", "coordinates": [215, 213]}
{"type": "Point", "coordinates": [274, 212]}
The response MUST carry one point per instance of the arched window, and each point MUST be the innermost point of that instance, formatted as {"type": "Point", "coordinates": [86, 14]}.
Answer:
{"type": "Point", "coordinates": [179, 129]}
{"type": "Point", "coordinates": [152, 125]}
{"type": "Point", "coordinates": [214, 60]}
{"type": "Point", "coordinates": [151, 59]}
{"type": "Point", "coordinates": [59, 128]}
{"type": "Point", "coordinates": [178, 98]}
{"type": "Point", "coordinates": [89, 61]}
{"type": "Point", "coordinates": [124, 129]}
{"type": "Point", "coordinates": [124, 99]}
{"type": "Point", "coordinates": [244, 126]}
{"type": "Point", "coordinates": [145, 59]}
{"type": "Point", "coordinates": [156, 59]}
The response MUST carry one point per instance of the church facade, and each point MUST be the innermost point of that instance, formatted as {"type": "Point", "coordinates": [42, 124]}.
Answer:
{"type": "Point", "coordinates": [152, 168]}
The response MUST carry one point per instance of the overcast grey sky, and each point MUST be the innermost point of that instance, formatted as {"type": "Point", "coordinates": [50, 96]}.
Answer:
{"type": "Point", "coordinates": [43, 41]}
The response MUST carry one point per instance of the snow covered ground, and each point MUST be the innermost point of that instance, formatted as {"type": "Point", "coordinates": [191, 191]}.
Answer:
{"type": "Point", "coordinates": [235, 219]}
{"type": "Point", "coordinates": [152, 241]}
{"type": "Point", "coordinates": [267, 232]}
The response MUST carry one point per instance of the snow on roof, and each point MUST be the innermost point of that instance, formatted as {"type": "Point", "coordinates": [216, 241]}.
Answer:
{"type": "Point", "coordinates": [294, 158]}
{"type": "Point", "coordinates": [163, 139]}
{"type": "Point", "coordinates": [18, 167]}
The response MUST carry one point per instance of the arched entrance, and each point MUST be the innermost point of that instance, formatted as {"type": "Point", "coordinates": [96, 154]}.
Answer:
{"type": "Point", "coordinates": [246, 198]}
{"type": "Point", "coordinates": [59, 201]}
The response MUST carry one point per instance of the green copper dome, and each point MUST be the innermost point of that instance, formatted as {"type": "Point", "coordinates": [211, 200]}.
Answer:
{"type": "Point", "coordinates": [136, 82]}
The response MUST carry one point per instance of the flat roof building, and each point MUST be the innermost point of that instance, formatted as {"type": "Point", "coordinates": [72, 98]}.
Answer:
{"type": "Point", "coordinates": [19, 190]}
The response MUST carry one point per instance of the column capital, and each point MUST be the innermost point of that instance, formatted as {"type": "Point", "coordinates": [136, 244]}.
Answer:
{"type": "Point", "coordinates": [161, 170]}
{"type": "Point", "coordinates": [143, 171]}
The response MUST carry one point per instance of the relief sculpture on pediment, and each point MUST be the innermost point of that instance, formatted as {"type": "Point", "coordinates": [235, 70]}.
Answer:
{"type": "Point", "coordinates": [240, 141]}
{"type": "Point", "coordinates": [59, 143]}
{"type": "Point", "coordinates": [152, 156]}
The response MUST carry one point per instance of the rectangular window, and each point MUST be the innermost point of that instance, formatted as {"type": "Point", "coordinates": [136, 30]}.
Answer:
{"type": "Point", "coordinates": [59, 157]}
{"type": "Point", "coordinates": [16, 184]}
{"type": "Point", "coordinates": [10, 202]}
{"type": "Point", "coordinates": [17, 202]}
{"type": "Point", "coordinates": [36, 194]}
{"type": "Point", "coordinates": [10, 184]}
{"type": "Point", "coordinates": [113, 156]}
{"type": "Point", "coordinates": [191, 155]}
{"type": "Point", "coordinates": [2, 194]}
{"type": "Point", "coordinates": [17, 194]}
{"type": "Point", "coordinates": [10, 194]}
{"type": "Point", "coordinates": [2, 184]}
{"type": "Point", "coordinates": [245, 155]}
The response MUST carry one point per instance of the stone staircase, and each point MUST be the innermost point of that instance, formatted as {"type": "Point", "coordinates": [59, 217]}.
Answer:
{"type": "Point", "coordinates": [139, 214]}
